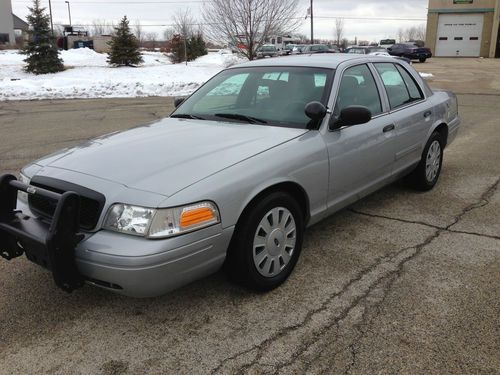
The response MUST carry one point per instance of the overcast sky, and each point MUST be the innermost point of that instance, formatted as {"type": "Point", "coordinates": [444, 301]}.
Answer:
{"type": "Point", "coordinates": [391, 14]}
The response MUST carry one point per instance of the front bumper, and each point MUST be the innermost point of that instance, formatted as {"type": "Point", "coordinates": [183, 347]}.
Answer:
{"type": "Point", "coordinates": [133, 266]}
{"type": "Point", "coordinates": [418, 56]}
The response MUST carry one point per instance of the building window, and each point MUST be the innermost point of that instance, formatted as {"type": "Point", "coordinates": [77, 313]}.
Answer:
{"type": "Point", "coordinates": [474, 38]}
{"type": "Point", "coordinates": [4, 38]}
{"type": "Point", "coordinates": [443, 38]}
{"type": "Point", "coordinates": [459, 38]}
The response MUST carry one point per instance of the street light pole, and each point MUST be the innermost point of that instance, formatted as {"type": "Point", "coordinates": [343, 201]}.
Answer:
{"type": "Point", "coordinates": [69, 12]}
{"type": "Point", "coordinates": [312, 23]}
{"type": "Point", "coordinates": [51, 24]}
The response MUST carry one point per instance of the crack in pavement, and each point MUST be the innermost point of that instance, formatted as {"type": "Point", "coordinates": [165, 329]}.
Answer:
{"type": "Point", "coordinates": [386, 267]}
{"type": "Point", "coordinates": [383, 267]}
{"type": "Point", "coordinates": [482, 202]}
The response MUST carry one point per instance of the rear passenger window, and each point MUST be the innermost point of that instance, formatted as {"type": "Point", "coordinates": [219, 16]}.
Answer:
{"type": "Point", "coordinates": [358, 87]}
{"type": "Point", "coordinates": [411, 85]}
{"type": "Point", "coordinates": [399, 91]}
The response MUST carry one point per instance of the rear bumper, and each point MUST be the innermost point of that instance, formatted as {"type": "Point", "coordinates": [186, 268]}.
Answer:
{"type": "Point", "coordinates": [453, 128]}
{"type": "Point", "coordinates": [418, 56]}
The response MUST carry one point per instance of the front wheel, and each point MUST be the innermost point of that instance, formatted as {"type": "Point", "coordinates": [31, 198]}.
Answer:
{"type": "Point", "coordinates": [267, 242]}
{"type": "Point", "coordinates": [422, 60]}
{"type": "Point", "coordinates": [427, 173]}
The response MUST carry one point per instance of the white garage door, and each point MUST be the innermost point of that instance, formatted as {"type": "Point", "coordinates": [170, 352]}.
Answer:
{"type": "Point", "coordinates": [459, 35]}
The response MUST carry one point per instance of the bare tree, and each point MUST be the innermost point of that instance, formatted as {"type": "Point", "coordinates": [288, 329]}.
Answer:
{"type": "Point", "coordinates": [100, 27]}
{"type": "Point", "coordinates": [151, 38]}
{"type": "Point", "coordinates": [139, 34]}
{"type": "Point", "coordinates": [421, 32]}
{"type": "Point", "coordinates": [401, 35]}
{"type": "Point", "coordinates": [339, 30]}
{"type": "Point", "coordinates": [169, 33]}
{"type": "Point", "coordinates": [246, 24]}
{"type": "Point", "coordinates": [184, 23]}
{"type": "Point", "coordinates": [411, 33]}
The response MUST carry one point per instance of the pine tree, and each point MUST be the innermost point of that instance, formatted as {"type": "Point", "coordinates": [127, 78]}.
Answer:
{"type": "Point", "coordinates": [43, 56]}
{"type": "Point", "coordinates": [124, 46]}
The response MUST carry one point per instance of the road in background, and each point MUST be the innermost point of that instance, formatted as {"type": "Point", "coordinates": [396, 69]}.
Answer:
{"type": "Point", "coordinates": [401, 282]}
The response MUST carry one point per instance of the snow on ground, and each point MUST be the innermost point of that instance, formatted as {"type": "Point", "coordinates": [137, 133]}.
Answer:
{"type": "Point", "coordinates": [89, 76]}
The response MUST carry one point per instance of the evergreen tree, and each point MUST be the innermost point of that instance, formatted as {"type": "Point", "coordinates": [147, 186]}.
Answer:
{"type": "Point", "coordinates": [43, 56]}
{"type": "Point", "coordinates": [195, 46]}
{"type": "Point", "coordinates": [124, 46]}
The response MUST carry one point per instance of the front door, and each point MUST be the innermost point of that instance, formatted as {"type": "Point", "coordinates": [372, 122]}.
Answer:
{"type": "Point", "coordinates": [361, 156]}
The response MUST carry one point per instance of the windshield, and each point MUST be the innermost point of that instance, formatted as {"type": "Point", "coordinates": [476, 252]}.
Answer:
{"type": "Point", "coordinates": [273, 96]}
{"type": "Point", "coordinates": [267, 48]}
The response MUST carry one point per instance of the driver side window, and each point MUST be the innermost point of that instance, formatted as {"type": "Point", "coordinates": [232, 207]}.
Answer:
{"type": "Point", "coordinates": [358, 87]}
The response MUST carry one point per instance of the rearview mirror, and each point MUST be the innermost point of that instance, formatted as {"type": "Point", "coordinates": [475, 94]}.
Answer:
{"type": "Point", "coordinates": [352, 115]}
{"type": "Point", "coordinates": [178, 101]}
{"type": "Point", "coordinates": [315, 111]}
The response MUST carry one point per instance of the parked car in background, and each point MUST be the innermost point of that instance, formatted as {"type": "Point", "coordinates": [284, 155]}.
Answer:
{"type": "Point", "coordinates": [298, 49]}
{"type": "Point", "coordinates": [289, 49]}
{"type": "Point", "coordinates": [316, 48]}
{"type": "Point", "coordinates": [411, 51]}
{"type": "Point", "coordinates": [233, 177]}
{"type": "Point", "coordinates": [364, 50]}
{"type": "Point", "coordinates": [386, 43]}
{"type": "Point", "coordinates": [373, 51]}
{"type": "Point", "coordinates": [267, 51]}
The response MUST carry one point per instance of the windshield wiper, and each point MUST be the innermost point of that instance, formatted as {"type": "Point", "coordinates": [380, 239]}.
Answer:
{"type": "Point", "coordinates": [236, 116]}
{"type": "Point", "coordinates": [187, 115]}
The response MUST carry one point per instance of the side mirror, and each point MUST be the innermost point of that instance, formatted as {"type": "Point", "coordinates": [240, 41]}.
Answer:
{"type": "Point", "coordinates": [178, 102]}
{"type": "Point", "coordinates": [352, 115]}
{"type": "Point", "coordinates": [315, 111]}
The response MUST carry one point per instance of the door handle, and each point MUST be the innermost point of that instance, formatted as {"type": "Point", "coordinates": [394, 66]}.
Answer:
{"type": "Point", "coordinates": [388, 128]}
{"type": "Point", "coordinates": [427, 114]}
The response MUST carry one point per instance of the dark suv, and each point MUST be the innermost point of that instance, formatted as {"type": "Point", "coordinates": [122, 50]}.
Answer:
{"type": "Point", "coordinates": [411, 51]}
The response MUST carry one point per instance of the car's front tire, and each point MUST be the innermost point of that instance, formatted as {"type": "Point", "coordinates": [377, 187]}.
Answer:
{"type": "Point", "coordinates": [427, 173]}
{"type": "Point", "coordinates": [422, 60]}
{"type": "Point", "coordinates": [267, 242]}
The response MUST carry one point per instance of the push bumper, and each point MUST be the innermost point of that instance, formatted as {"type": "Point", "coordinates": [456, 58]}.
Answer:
{"type": "Point", "coordinates": [49, 245]}
{"type": "Point", "coordinates": [129, 265]}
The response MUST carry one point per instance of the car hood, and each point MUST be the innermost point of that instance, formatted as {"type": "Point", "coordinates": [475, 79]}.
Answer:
{"type": "Point", "coordinates": [170, 155]}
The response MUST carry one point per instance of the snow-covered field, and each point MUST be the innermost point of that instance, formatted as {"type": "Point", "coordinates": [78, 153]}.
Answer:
{"type": "Point", "coordinates": [88, 76]}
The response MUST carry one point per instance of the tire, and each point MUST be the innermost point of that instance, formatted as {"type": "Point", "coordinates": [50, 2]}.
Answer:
{"type": "Point", "coordinates": [426, 175]}
{"type": "Point", "coordinates": [261, 255]}
{"type": "Point", "coordinates": [422, 60]}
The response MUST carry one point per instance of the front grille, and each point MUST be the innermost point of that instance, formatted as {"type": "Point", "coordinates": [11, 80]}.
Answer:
{"type": "Point", "coordinates": [91, 202]}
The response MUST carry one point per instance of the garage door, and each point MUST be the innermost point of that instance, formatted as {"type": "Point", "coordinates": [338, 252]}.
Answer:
{"type": "Point", "coordinates": [459, 35]}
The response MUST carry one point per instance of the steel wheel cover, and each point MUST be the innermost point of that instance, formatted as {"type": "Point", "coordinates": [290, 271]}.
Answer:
{"type": "Point", "coordinates": [274, 242]}
{"type": "Point", "coordinates": [433, 161]}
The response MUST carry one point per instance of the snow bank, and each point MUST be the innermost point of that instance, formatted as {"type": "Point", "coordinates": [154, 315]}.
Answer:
{"type": "Point", "coordinates": [426, 75]}
{"type": "Point", "coordinates": [88, 76]}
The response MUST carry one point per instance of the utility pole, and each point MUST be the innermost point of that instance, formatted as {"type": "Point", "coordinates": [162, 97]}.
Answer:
{"type": "Point", "coordinates": [69, 12]}
{"type": "Point", "coordinates": [312, 23]}
{"type": "Point", "coordinates": [51, 24]}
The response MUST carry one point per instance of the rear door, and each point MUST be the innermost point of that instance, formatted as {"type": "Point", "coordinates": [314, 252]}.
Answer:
{"type": "Point", "coordinates": [361, 157]}
{"type": "Point", "coordinates": [410, 113]}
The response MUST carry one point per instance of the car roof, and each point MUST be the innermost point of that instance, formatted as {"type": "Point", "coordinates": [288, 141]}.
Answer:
{"type": "Point", "coordinates": [329, 61]}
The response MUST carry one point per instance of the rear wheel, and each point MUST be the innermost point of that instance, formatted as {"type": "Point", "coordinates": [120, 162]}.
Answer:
{"type": "Point", "coordinates": [267, 242]}
{"type": "Point", "coordinates": [426, 175]}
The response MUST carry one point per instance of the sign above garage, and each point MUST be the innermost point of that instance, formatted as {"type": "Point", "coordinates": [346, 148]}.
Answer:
{"type": "Point", "coordinates": [463, 1]}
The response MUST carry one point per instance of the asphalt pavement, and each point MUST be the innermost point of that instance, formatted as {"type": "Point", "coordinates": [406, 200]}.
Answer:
{"type": "Point", "coordinates": [401, 282]}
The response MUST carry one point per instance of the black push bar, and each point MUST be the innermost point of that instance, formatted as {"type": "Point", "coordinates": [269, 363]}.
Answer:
{"type": "Point", "coordinates": [51, 245]}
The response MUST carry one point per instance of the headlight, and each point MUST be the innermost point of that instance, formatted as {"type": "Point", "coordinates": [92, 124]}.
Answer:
{"type": "Point", "coordinates": [21, 195]}
{"type": "Point", "coordinates": [163, 222]}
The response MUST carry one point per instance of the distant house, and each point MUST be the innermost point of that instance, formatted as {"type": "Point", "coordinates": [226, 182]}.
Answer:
{"type": "Point", "coordinates": [7, 35]}
{"type": "Point", "coordinates": [9, 22]}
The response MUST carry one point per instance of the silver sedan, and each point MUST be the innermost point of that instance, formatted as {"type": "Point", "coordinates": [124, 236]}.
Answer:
{"type": "Point", "coordinates": [232, 178]}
